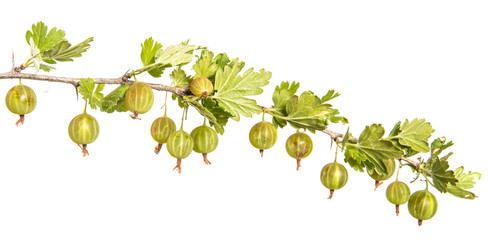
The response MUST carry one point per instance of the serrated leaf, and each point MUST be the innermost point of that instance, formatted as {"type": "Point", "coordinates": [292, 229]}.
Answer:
{"type": "Point", "coordinates": [91, 93]}
{"type": "Point", "coordinates": [64, 52]}
{"type": "Point", "coordinates": [175, 55]}
{"type": "Point", "coordinates": [206, 65]}
{"type": "Point", "coordinates": [375, 149]}
{"type": "Point", "coordinates": [232, 90]}
{"type": "Point", "coordinates": [331, 94]}
{"type": "Point", "coordinates": [36, 55]}
{"type": "Point", "coordinates": [192, 101]}
{"type": "Point", "coordinates": [115, 101]}
{"type": "Point", "coordinates": [307, 111]}
{"type": "Point", "coordinates": [465, 181]}
{"type": "Point", "coordinates": [179, 78]}
{"type": "Point", "coordinates": [222, 60]}
{"type": "Point", "coordinates": [441, 177]}
{"type": "Point", "coordinates": [355, 158]}
{"type": "Point", "coordinates": [414, 134]}
{"type": "Point", "coordinates": [43, 39]}
{"type": "Point", "coordinates": [148, 55]}
{"type": "Point", "coordinates": [282, 94]}
{"type": "Point", "coordinates": [437, 147]}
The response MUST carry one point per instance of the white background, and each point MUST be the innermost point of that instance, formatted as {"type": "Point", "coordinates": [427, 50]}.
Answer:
{"type": "Point", "coordinates": [390, 60]}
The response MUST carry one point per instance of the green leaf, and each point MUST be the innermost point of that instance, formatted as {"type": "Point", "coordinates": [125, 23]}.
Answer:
{"type": "Point", "coordinates": [148, 54]}
{"type": "Point", "coordinates": [437, 147]}
{"type": "Point", "coordinates": [35, 55]}
{"type": "Point", "coordinates": [232, 89]}
{"type": "Point", "coordinates": [179, 78]}
{"type": "Point", "coordinates": [441, 177]}
{"type": "Point", "coordinates": [43, 39]}
{"type": "Point", "coordinates": [376, 149]}
{"type": "Point", "coordinates": [331, 94]}
{"type": "Point", "coordinates": [64, 52]}
{"type": "Point", "coordinates": [175, 55]}
{"type": "Point", "coordinates": [219, 113]}
{"type": "Point", "coordinates": [193, 101]}
{"type": "Point", "coordinates": [283, 93]}
{"type": "Point", "coordinates": [90, 93]}
{"type": "Point", "coordinates": [465, 181]}
{"type": "Point", "coordinates": [115, 101]}
{"type": "Point", "coordinates": [206, 65]}
{"type": "Point", "coordinates": [222, 60]}
{"type": "Point", "coordinates": [307, 111]}
{"type": "Point", "coordinates": [413, 135]}
{"type": "Point", "coordinates": [356, 159]}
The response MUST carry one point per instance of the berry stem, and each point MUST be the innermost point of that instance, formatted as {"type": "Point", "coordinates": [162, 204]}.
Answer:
{"type": "Point", "coordinates": [178, 165]}
{"type": "Point", "coordinates": [158, 147]}
{"type": "Point", "coordinates": [86, 103]}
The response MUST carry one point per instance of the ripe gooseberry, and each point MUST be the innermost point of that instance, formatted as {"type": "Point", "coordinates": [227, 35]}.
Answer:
{"type": "Point", "coordinates": [21, 100]}
{"type": "Point", "coordinates": [398, 193]}
{"type": "Point", "coordinates": [161, 128]}
{"type": "Point", "coordinates": [179, 145]}
{"type": "Point", "coordinates": [333, 176]}
{"type": "Point", "coordinates": [205, 140]}
{"type": "Point", "coordinates": [299, 146]}
{"type": "Point", "coordinates": [83, 129]}
{"type": "Point", "coordinates": [201, 87]}
{"type": "Point", "coordinates": [263, 135]}
{"type": "Point", "coordinates": [422, 205]}
{"type": "Point", "coordinates": [139, 99]}
{"type": "Point", "coordinates": [390, 170]}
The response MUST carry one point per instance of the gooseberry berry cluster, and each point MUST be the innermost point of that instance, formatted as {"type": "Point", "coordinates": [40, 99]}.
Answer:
{"type": "Point", "coordinates": [219, 90]}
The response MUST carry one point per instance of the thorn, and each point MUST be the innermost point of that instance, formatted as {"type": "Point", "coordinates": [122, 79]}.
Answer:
{"type": "Point", "coordinates": [76, 89]}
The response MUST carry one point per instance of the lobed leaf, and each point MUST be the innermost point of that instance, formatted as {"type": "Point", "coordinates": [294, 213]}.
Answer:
{"type": "Point", "coordinates": [148, 55]}
{"type": "Point", "coordinates": [412, 135]}
{"type": "Point", "coordinates": [374, 149]}
{"type": "Point", "coordinates": [232, 90]}
{"type": "Point", "coordinates": [42, 38]}
{"type": "Point", "coordinates": [64, 52]}
{"type": "Point", "coordinates": [465, 181]}
{"type": "Point", "coordinates": [90, 93]}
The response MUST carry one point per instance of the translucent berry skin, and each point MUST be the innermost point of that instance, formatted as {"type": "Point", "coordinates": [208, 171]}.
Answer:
{"type": "Point", "coordinates": [139, 98]}
{"type": "Point", "coordinates": [205, 139]}
{"type": "Point", "coordinates": [390, 169]}
{"type": "Point", "coordinates": [179, 144]}
{"type": "Point", "coordinates": [161, 128]}
{"type": "Point", "coordinates": [398, 193]}
{"type": "Point", "coordinates": [299, 145]}
{"type": "Point", "coordinates": [334, 176]}
{"type": "Point", "coordinates": [201, 87]}
{"type": "Point", "coordinates": [263, 135]}
{"type": "Point", "coordinates": [422, 205]}
{"type": "Point", "coordinates": [21, 100]}
{"type": "Point", "coordinates": [83, 129]}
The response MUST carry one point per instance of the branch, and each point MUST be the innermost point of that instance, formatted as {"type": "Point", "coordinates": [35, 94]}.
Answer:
{"type": "Point", "coordinates": [124, 79]}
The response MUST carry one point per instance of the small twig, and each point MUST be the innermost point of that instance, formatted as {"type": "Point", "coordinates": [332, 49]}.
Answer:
{"type": "Point", "coordinates": [124, 79]}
